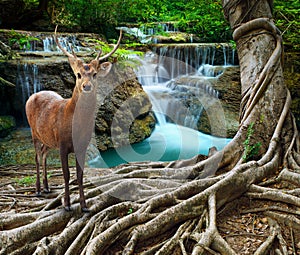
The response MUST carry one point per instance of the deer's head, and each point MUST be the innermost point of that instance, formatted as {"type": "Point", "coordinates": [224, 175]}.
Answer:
{"type": "Point", "coordinates": [86, 74]}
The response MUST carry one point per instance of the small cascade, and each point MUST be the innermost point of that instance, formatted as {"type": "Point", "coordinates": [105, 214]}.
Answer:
{"type": "Point", "coordinates": [28, 80]}
{"type": "Point", "coordinates": [208, 70]}
{"type": "Point", "coordinates": [147, 33]}
{"type": "Point", "coordinates": [168, 27]}
{"type": "Point", "coordinates": [176, 78]}
{"type": "Point", "coordinates": [27, 83]}
{"type": "Point", "coordinates": [183, 59]}
{"type": "Point", "coordinates": [68, 42]}
{"type": "Point", "coordinates": [48, 44]}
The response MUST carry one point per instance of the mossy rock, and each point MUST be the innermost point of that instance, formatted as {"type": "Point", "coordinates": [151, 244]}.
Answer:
{"type": "Point", "coordinates": [7, 124]}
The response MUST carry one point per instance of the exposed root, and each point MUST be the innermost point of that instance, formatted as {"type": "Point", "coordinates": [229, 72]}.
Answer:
{"type": "Point", "coordinates": [272, 194]}
{"type": "Point", "coordinates": [289, 176]}
{"type": "Point", "coordinates": [129, 208]}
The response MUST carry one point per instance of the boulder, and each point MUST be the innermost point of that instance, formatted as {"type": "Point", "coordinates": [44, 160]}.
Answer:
{"type": "Point", "coordinates": [124, 110]}
{"type": "Point", "coordinates": [229, 87]}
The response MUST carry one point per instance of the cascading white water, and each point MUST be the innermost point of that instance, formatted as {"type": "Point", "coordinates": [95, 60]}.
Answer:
{"type": "Point", "coordinates": [48, 44]}
{"type": "Point", "coordinates": [177, 106]}
{"type": "Point", "coordinates": [68, 42]}
{"type": "Point", "coordinates": [158, 75]}
{"type": "Point", "coordinates": [27, 82]}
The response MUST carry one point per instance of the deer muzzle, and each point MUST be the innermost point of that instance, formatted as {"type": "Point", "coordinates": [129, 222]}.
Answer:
{"type": "Point", "coordinates": [87, 87]}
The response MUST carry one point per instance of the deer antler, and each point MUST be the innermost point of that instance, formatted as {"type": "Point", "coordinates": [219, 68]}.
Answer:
{"type": "Point", "coordinates": [62, 48]}
{"type": "Point", "coordinates": [112, 52]}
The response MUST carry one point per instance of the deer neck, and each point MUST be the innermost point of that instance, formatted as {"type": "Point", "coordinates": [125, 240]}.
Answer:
{"type": "Point", "coordinates": [83, 103]}
{"type": "Point", "coordinates": [71, 104]}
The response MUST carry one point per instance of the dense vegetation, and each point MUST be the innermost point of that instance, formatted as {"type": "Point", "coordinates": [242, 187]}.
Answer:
{"type": "Point", "coordinates": [204, 18]}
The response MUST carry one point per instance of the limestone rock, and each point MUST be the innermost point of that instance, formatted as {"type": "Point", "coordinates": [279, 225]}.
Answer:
{"type": "Point", "coordinates": [124, 110]}
{"type": "Point", "coordinates": [229, 86]}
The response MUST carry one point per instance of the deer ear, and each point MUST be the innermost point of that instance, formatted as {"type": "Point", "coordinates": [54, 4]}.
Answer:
{"type": "Point", "coordinates": [104, 68]}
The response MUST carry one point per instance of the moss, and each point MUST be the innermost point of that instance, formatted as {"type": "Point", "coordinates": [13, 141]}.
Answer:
{"type": "Point", "coordinates": [141, 129]}
{"type": "Point", "coordinates": [7, 124]}
{"type": "Point", "coordinates": [19, 150]}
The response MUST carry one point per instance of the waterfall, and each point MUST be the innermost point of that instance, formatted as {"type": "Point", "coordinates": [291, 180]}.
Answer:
{"type": "Point", "coordinates": [176, 99]}
{"type": "Point", "coordinates": [27, 83]}
{"type": "Point", "coordinates": [28, 80]}
{"type": "Point", "coordinates": [196, 54]}
{"type": "Point", "coordinates": [177, 80]}
{"type": "Point", "coordinates": [49, 44]}
{"type": "Point", "coordinates": [68, 42]}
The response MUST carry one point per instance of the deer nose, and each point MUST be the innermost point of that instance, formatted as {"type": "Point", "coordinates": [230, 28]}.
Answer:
{"type": "Point", "coordinates": [87, 87]}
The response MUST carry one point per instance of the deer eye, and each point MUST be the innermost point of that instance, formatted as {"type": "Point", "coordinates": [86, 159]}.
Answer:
{"type": "Point", "coordinates": [78, 75]}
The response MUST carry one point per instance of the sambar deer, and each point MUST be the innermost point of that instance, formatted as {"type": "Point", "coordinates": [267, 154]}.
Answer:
{"type": "Point", "coordinates": [67, 124]}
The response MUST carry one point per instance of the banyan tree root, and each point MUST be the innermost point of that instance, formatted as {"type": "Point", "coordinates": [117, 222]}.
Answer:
{"type": "Point", "coordinates": [137, 212]}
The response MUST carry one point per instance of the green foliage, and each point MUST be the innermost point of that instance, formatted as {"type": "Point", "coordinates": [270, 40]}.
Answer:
{"type": "Point", "coordinates": [22, 40]}
{"type": "Point", "coordinates": [26, 181]}
{"type": "Point", "coordinates": [203, 18]}
{"type": "Point", "coordinates": [286, 15]}
{"type": "Point", "coordinates": [121, 54]}
{"type": "Point", "coordinates": [250, 149]}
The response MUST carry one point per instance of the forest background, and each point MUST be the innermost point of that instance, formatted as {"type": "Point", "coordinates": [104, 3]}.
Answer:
{"type": "Point", "coordinates": [203, 18]}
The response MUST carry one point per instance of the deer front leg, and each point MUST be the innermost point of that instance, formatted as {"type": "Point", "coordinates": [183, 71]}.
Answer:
{"type": "Point", "coordinates": [66, 173]}
{"type": "Point", "coordinates": [79, 171]}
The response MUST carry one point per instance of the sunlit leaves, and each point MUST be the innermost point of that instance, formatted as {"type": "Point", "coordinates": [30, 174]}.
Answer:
{"type": "Point", "coordinates": [286, 15]}
{"type": "Point", "coordinates": [203, 18]}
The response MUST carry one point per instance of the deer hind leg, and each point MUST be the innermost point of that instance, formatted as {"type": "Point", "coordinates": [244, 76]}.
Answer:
{"type": "Point", "coordinates": [38, 151]}
{"type": "Point", "coordinates": [79, 172]}
{"type": "Point", "coordinates": [44, 150]}
{"type": "Point", "coordinates": [66, 173]}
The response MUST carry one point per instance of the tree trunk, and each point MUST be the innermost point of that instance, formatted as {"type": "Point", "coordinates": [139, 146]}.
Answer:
{"type": "Point", "coordinates": [175, 208]}
{"type": "Point", "coordinates": [260, 52]}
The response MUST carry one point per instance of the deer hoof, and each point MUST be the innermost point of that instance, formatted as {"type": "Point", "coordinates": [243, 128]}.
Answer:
{"type": "Point", "coordinates": [38, 194]}
{"type": "Point", "coordinates": [68, 208]}
{"type": "Point", "coordinates": [47, 191]}
{"type": "Point", "coordinates": [85, 210]}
